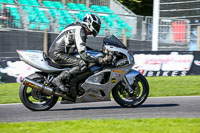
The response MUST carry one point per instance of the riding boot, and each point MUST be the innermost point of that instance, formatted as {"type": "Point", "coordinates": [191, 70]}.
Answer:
{"type": "Point", "coordinates": [75, 70]}
{"type": "Point", "coordinates": [59, 81]}
{"type": "Point", "coordinates": [73, 89]}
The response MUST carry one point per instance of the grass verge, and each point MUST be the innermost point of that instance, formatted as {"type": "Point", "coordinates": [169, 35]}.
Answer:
{"type": "Point", "coordinates": [9, 93]}
{"type": "Point", "coordinates": [174, 86]}
{"type": "Point", "coordinates": [159, 86]}
{"type": "Point", "coordinates": [154, 125]}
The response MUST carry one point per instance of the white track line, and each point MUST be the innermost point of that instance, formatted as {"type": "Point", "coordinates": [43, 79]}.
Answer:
{"type": "Point", "coordinates": [177, 97]}
{"type": "Point", "coordinates": [10, 104]}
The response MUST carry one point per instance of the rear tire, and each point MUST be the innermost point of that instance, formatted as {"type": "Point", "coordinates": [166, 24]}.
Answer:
{"type": "Point", "coordinates": [33, 99]}
{"type": "Point", "coordinates": [123, 98]}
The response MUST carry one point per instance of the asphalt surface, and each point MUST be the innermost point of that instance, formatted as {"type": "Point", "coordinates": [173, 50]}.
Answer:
{"type": "Point", "coordinates": [170, 107]}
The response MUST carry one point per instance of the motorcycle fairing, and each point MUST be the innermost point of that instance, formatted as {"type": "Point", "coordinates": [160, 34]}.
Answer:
{"type": "Point", "coordinates": [96, 91]}
{"type": "Point", "coordinates": [36, 58]}
{"type": "Point", "coordinates": [130, 76]}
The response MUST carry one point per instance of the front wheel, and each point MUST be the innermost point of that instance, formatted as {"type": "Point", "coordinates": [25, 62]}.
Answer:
{"type": "Point", "coordinates": [33, 99]}
{"type": "Point", "coordinates": [141, 91]}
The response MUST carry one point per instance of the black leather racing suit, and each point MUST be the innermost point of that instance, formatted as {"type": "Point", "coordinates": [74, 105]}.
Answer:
{"type": "Point", "coordinates": [70, 40]}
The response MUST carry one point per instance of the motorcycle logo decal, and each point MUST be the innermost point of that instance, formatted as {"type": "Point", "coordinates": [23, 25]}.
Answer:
{"type": "Point", "coordinates": [113, 80]}
{"type": "Point", "coordinates": [92, 95]}
{"type": "Point", "coordinates": [116, 75]}
{"type": "Point", "coordinates": [196, 62]}
{"type": "Point", "coordinates": [31, 85]}
{"type": "Point", "coordinates": [119, 71]}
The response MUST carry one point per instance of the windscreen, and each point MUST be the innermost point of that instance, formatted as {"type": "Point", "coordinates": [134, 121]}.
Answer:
{"type": "Point", "coordinates": [113, 41]}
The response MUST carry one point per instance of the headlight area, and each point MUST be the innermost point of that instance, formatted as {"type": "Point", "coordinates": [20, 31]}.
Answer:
{"type": "Point", "coordinates": [131, 58]}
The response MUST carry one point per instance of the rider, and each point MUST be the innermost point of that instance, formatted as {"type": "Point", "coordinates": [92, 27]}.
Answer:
{"type": "Point", "coordinates": [73, 38]}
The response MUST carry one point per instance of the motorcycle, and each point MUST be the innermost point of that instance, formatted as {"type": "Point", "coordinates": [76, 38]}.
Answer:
{"type": "Point", "coordinates": [129, 88]}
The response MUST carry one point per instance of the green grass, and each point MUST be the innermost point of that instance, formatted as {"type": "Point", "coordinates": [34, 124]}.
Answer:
{"type": "Point", "coordinates": [9, 93]}
{"type": "Point", "coordinates": [159, 86]}
{"type": "Point", "coordinates": [154, 125]}
{"type": "Point", "coordinates": [174, 86]}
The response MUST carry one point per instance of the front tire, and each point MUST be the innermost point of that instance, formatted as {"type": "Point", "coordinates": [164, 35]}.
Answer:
{"type": "Point", "coordinates": [140, 94]}
{"type": "Point", "coordinates": [33, 99]}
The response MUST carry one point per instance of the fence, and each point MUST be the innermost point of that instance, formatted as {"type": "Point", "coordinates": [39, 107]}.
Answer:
{"type": "Point", "coordinates": [179, 33]}
{"type": "Point", "coordinates": [88, 2]}
{"type": "Point", "coordinates": [40, 18]}
{"type": "Point", "coordinates": [187, 9]}
{"type": "Point", "coordinates": [175, 31]}
{"type": "Point", "coordinates": [111, 23]}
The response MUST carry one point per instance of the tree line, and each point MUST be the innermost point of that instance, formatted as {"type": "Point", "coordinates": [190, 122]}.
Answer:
{"type": "Point", "coordinates": [139, 7]}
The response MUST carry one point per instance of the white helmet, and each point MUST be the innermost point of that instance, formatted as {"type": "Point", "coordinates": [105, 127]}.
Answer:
{"type": "Point", "coordinates": [93, 23]}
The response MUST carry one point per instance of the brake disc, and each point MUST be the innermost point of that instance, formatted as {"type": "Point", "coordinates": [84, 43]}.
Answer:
{"type": "Point", "coordinates": [35, 94]}
{"type": "Point", "coordinates": [137, 89]}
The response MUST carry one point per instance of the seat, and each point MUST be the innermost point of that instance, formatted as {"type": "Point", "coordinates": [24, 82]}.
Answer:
{"type": "Point", "coordinates": [50, 63]}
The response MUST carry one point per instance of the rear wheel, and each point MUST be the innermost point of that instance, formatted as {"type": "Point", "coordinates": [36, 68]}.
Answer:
{"type": "Point", "coordinates": [125, 99]}
{"type": "Point", "coordinates": [33, 99]}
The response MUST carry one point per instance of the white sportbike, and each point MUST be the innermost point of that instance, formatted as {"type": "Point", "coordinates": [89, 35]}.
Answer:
{"type": "Point", "coordinates": [129, 88]}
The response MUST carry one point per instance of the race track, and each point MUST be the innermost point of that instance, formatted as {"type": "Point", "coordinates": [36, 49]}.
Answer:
{"type": "Point", "coordinates": [170, 107]}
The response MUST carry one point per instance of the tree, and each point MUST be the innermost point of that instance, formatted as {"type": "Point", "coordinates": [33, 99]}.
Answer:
{"type": "Point", "coordinates": [139, 7]}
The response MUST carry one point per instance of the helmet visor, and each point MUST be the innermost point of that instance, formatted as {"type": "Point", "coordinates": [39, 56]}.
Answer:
{"type": "Point", "coordinates": [96, 28]}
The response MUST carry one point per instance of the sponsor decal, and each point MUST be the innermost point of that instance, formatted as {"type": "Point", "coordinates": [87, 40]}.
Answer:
{"type": "Point", "coordinates": [165, 73]}
{"type": "Point", "coordinates": [18, 70]}
{"type": "Point", "coordinates": [196, 62]}
{"type": "Point", "coordinates": [116, 75]}
{"type": "Point", "coordinates": [113, 80]}
{"type": "Point", "coordinates": [93, 91]}
{"type": "Point", "coordinates": [173, 64]}
{"type": "Point", "coordinates": [119, 71]}
{"type": "Point", "coordinates": [92, 95]}
{"type": "Point", "coordinates": [31, 85]}
{"type": "Point", "coordinates": [96, 97]}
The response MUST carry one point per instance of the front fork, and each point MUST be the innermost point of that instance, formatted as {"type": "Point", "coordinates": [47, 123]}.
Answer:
{"type": "Point", "coordinates": [129, 79]}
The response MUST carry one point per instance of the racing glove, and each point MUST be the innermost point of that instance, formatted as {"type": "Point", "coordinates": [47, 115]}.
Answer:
{"type": "Point", "coordinates": [105, 60]}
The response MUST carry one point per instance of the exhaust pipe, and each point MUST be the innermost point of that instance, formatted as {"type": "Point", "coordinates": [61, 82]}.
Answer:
{"type": "Point", "coordinates": [44, 89]}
